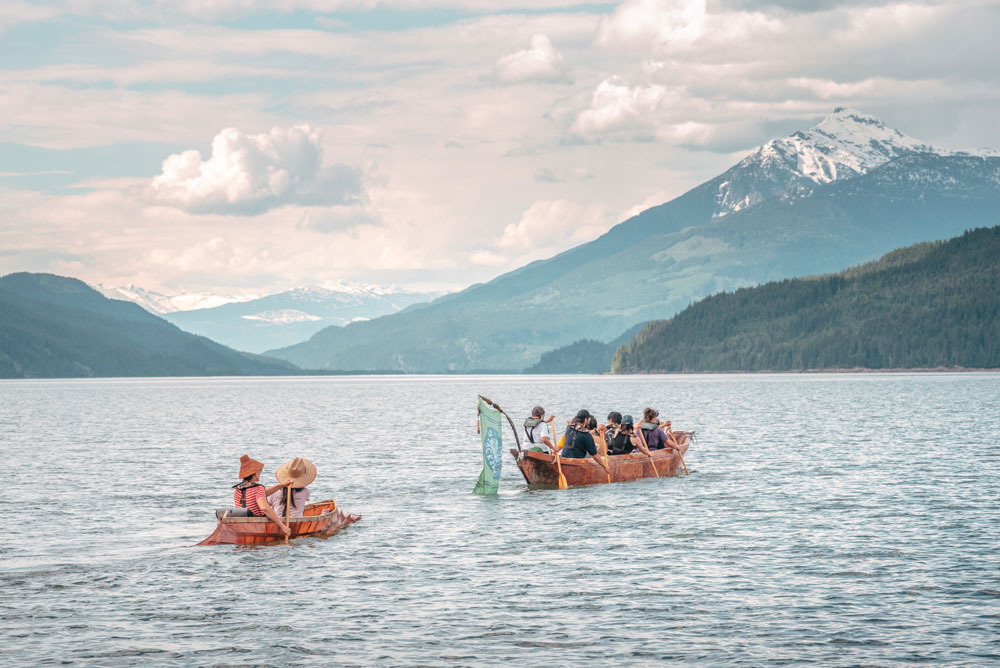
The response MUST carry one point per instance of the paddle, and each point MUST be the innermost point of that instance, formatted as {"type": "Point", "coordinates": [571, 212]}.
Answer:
{"type": "Point", "coordinates": [678, 446]}
{"type": "Point", "coordinates": [288, 508]}
{"type": "Point", "coordinates": [562, 479]}
{"type": "Point", "coordinates": [642, 437]}
{"type": "Point", "coordinates": [604, 448]}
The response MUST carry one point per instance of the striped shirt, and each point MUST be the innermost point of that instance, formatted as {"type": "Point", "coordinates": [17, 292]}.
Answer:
{"type": "Point", "coordinates": [253, 494]}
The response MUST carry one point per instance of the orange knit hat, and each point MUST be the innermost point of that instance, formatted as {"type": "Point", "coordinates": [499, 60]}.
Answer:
{"type": "Point", "coordinates": [249, 466]}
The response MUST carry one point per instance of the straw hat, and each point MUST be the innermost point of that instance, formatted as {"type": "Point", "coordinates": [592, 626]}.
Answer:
{"type": "Point", "coordinates": [300, 471]}
{"type": "Point", "coordinates": [249, 466]}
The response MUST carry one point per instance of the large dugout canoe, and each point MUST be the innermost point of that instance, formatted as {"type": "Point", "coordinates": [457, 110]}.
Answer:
{"type": "Point", "coordinates": [539, 469]}
{"type": "Point", "coordinates": [321, 519]}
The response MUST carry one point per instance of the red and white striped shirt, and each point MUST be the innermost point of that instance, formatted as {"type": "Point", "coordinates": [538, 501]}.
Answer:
{"type": "Point", "coordinates": [253, 494]}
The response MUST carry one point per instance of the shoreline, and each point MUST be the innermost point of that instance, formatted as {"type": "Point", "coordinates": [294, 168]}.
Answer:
{"type": "Point", "coordinates": [399, 374]}
{"type": "Point", "coordinates": [858, 369]}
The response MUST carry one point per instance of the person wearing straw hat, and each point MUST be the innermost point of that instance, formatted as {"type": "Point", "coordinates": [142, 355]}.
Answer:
{"type": "Point", "coordinates": [250, 497]}
{"type": "Point", "coordinates": [298, 472]}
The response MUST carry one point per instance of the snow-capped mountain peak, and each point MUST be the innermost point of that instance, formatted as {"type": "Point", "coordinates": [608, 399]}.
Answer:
{"type": "Point", "coordinates": [845, 140]}
{"type": "Point", "coordinates": [844, 144]}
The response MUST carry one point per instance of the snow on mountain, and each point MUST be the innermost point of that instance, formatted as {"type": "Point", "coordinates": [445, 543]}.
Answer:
{"type": "Point", "coordinates": [282, 316]}
{"type": "Point", "coordinates": [340, 292]}
{"type": "Point", "coordinates": [294, 315]}
{"type": "Point", "coordinates": [845, 144]}
{"type": "Point", "coordinates": [159, 303]}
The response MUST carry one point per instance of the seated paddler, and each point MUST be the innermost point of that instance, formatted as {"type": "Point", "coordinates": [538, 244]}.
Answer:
{"type": "Point", "coordinates": [578, 440]}
{"type": "Point", "coordinates": [536, 430]}
{"type": "Point", "coordinates": [618, 435]}
{"type": "Point", "coordinates": [300, 472]}
{"type": "Point", "coordinates": [614, 423]}
{"type": "Point", "coordinates": [652, 431]}
{"type": "Point", "coordinates": [250, 497]}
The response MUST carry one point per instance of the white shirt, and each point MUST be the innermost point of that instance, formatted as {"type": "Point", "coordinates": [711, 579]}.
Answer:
{"type": "Point", "coordinates": [299, 501]}
{"type": "Point", "coordinates": [539, 430]}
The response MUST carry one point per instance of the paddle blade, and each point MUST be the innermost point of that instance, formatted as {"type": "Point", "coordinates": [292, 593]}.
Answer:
{"type": "Point", "coordinates": [562, 482]}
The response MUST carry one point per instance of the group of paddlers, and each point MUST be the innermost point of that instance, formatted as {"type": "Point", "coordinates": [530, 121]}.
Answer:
{"type": "Point", "coordinates": [619, 436]}
{"type": "Point", "coordinates": [252, 499]}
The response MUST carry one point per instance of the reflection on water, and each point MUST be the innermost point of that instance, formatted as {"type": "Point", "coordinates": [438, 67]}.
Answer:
{"type": "Point", "coordinates": [830, 519]}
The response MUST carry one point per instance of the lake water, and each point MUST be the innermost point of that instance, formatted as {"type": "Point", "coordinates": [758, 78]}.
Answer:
{"type": "Point", "coordinates": [841, 519]}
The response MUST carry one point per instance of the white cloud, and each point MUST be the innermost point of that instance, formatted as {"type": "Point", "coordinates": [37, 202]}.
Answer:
{"type": "Point", "coordinates": [60, 117]}
{"type": "Point", "coordinates": [336, 218]}
{"type": "Point", "coordinates": [652, 24]}
{"type": "Point", "coordinates": [487, 258]}
{"type": "Point", "coordinates": [547, 175]}
{"type": "Point", "coordinates": [555, 223]}
{"type": "Point", "coordinates": [13, 12]}
{"type": "Point", "coordinates": [539, 63]}
{"type": "Point", "coordinates": [248, 174]}
{"type": "Point", "coordinates": [615, 106]}
{"type": "Point", "coordinates": [212, 9]}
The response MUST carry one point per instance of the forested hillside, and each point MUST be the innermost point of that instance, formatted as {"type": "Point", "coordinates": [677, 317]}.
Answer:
{"type": "Point", "coordinates": [929, 305]}
{"type": "Point", "coordinates": [583, 356]}
{"type": "Point", "coordinates": [56, 327]}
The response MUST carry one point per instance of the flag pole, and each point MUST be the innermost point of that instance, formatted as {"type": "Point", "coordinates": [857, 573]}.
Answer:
{"type": "Point", "coordinates": [502, 412]}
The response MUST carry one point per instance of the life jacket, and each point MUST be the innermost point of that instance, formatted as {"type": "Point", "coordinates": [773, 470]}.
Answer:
{"type": "Point", "coordinates": [648, 426]}
{"type": "Point", "coordinates": [620, 444]}
{"type": "Point", "coordinates": [570, 442]}
{"type": "Point", "coordinates": [243, 492]}
{"type": "Point", "coordinates": [529, 424]}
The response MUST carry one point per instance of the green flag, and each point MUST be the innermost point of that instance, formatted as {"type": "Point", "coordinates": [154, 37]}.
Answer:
{"type": "Point", "coordinates": [489, 430]}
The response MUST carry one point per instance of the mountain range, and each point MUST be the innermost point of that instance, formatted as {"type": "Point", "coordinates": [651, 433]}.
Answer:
{"type": "Point", "coordinates": [843, 192]}
{"type": "Point", "coordinates": [256, 323]}
{"type": "Point", "coordinates": [57, 327]}
{"type": "Point", "coordinates": [159, 303]}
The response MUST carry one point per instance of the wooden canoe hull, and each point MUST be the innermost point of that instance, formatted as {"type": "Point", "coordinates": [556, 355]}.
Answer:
{"type": "Point", "coordinates": [539, 469]}
{"type": "Point", "coordinates": [321, 519]}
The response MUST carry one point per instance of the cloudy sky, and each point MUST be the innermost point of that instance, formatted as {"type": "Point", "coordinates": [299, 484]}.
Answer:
{"type": "Point", "coordinates": [224, 145]}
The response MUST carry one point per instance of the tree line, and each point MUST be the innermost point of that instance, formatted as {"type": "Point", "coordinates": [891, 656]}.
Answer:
{"type": "Point", "coordinates": [929, 305]}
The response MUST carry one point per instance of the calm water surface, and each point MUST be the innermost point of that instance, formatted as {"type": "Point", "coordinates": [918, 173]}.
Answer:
{"type": "Point", "coordinates": [828, 519]}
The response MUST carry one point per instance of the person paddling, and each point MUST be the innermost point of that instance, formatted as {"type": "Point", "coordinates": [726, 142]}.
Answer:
{"type": "Point", "coordinates": [300, 472]}
{"type": "Point", "coordinates": [624, 441]}
{"type": "Point", "coordinates": [656, 438]}
{"type": "Point", "coordinates": [614, 424]}
{"type": "Point", "coordinates": [578, 441]}
{"type": "Point", "coordinates": [635, 443]}
{"type": "Point", "coordinates": [537, 432]}
{"type": "Point", "coordinates": [250, 497]}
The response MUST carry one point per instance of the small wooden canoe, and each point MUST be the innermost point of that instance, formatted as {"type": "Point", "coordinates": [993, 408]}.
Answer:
{"type": "Point", "coordinates": [539, 469]}
{"type": "Point", "coordinates": [321, 519]}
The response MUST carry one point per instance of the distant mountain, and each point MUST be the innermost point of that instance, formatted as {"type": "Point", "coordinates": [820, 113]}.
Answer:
{"type": "Point", "coordinates": [293, 316]}
{"type": "Point", "coordinates": [935, 304]}
{"type": "Point", "coordinates": [844, 192]}
{"type": "Point", "coordinates": [583, 356]}
{"type": "Point", "coordinates": [56, 327]}
{"type": "Point", "coordinates": [159, 303]}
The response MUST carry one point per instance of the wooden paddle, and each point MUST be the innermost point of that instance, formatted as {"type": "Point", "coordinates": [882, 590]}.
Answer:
{"type": "Point", "coordinates": [562, 479]}
{"type": "Point", "coordinates": [642, 437]}
{"type": "Point", "coordinates": [288, 509]}
{"type": "Point", "coordinates": [678, 446]}
{"type": "Point", "coordinates": [604, 447]}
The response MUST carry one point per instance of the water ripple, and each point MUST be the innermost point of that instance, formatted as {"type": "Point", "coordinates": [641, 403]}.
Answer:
{"type": "Point", "coordinates": [829, 520]}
